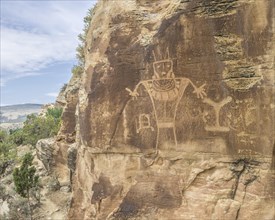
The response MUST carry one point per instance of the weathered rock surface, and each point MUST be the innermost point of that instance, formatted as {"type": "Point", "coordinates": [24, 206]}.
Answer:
{"type": "Point", "coordinates": [54, 196]}
{"type": "Point", "coordinates": [45, 151]}
{"type": "Point", "coordinates": [69, 99]}
{"type": "Point", "coordinates": [66, 150]}
{"type": "Point", "coordinates": [72, 155]}
{"type": "Point", "coordinates": [175, 112]}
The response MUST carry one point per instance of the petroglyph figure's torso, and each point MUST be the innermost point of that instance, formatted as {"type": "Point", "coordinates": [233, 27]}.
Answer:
{"type": "Point", "coordinates": [165, 95]}
{"type": "Point", "coordinates": [164, 89]}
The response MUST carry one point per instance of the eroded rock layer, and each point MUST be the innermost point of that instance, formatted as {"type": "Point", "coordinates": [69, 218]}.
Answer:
{"type": "Point", "coordinates": [176, 112]}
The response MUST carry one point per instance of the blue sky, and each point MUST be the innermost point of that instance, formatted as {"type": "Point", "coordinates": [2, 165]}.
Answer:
{"type": "Point", "coordinates": [38, 41]}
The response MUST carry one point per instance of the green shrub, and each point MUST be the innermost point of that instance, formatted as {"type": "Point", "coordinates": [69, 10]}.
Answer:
{"type": "Point", "coordinates": [80, 53]}
{"type": "Point", "coordinates": [63, 88]}
{"type": "Point", "coordinates": [25, 179]}
{"type": "Point", "coordinates": [77, 70]}
{"type": "Point", "coordinates": [7, 151]}
{"type": "Point", "coordinates": [17, 137]}
{"type": "Point", "coordinates": [37, 127]}
{"type": "Point", "coordinates": [34, 129]}
{"type": "Point", "coordinates": [3, 136]}
{"type": "Point", "coordinates": [54, 112]}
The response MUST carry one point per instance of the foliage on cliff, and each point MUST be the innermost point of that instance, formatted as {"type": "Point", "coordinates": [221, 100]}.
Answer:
{"type": "Point", "coordinates": [80, 53]}
{"type": "Point", "coordinates": [35, 128]}
{"type": "Point", "coordinates": [7, 149]}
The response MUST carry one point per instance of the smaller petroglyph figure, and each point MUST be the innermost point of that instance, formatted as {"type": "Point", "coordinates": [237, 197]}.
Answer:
{"type": "Point", "coordinates": [217, 108]}
{"type": "Point", "coordinates": [144, 123]}
{"type": "Point", "coordinates": [165, 91]}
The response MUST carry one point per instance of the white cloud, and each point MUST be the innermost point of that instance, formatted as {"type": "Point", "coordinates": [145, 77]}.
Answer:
{"type": "Point", "coordinates": [52, 94]}
{"type": "Point", "coordinates": [36, 34]}
{"type": "Point", "coordinates": [23, 51]}
{"type": "Point", "coordinates": [5, 77]}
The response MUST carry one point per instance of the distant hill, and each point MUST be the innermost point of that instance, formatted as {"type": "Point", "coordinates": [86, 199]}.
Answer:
{"type": "Point", "coordinates": [13, 116]}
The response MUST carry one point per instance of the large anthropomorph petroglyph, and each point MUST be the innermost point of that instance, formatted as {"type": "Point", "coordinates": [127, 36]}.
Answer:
{"type": "Point", "coordinates": [165, 91]}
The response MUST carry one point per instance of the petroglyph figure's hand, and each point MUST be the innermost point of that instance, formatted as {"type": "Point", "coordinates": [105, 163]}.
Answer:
{"type": "Point", "coordinates": [200, 91]}
{"type": "Point", "coordinates": [132, 93]}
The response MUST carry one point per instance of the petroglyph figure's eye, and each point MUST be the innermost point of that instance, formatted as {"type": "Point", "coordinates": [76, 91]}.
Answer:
{"type": "Point", "coordinates": [158, 66]}
{"type": "Point", "coordinates": [168, 65]}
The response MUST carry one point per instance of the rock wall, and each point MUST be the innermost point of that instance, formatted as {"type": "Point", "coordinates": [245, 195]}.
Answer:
{"type": "Point", "coordinates": [64, 155]}
{"type": "Point", "coordinates": [176, 112]}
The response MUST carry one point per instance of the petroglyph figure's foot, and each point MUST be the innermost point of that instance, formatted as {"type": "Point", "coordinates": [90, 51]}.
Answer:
{"type": "Point", "coordinates": [217, 128]}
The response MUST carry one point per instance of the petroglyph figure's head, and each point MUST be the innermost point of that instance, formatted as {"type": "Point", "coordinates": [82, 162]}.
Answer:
{"type": "Point", "coordinates": [163, 68]}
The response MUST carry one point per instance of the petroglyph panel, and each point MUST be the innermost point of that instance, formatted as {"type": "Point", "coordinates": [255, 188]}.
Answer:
{"type": "Point", "coordinates": [184, 90]}
{"type": "Point", "coordinates": [184, 110]}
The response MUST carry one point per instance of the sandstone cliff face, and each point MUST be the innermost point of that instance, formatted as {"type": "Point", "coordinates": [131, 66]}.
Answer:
{"type": "Point", "coordinates": [64, 155]}
{"type": "Point", "coordinates": [176, 112]}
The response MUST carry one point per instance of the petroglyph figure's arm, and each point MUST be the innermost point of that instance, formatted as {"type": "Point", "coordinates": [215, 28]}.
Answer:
{"type": "Point", "coordinates": [220, 104]}
{"type": "Point", "coordinates": [209, 102]}
{"type": "Point", "coordinates": [226, 100]}
{"type": "Point", "coordinates": [134, 93]}
{"type": "Point", "coordinates": [200, 91]}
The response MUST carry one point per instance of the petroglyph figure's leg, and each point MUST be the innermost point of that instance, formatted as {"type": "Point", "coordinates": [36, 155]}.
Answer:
{"type": "Point", "coordinates": [157, 140]}
{"type": "Point", "coordinates": [175, 135]}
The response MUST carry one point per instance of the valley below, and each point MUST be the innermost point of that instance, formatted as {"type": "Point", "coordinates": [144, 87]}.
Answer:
{"type": "Point", "coordinates": [13, 116]}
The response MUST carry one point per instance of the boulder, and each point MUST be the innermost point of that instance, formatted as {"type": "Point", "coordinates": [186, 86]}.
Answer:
{"type": "Point", "coordinates": [45, 151]}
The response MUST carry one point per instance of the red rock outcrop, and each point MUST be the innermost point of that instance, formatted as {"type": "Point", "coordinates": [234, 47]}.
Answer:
{"type": "Point", "coordinates": [176, 112]}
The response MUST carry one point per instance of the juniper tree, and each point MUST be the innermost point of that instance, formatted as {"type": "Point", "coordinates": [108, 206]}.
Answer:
{"type": "Point", "coordinates": [25, 179]}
